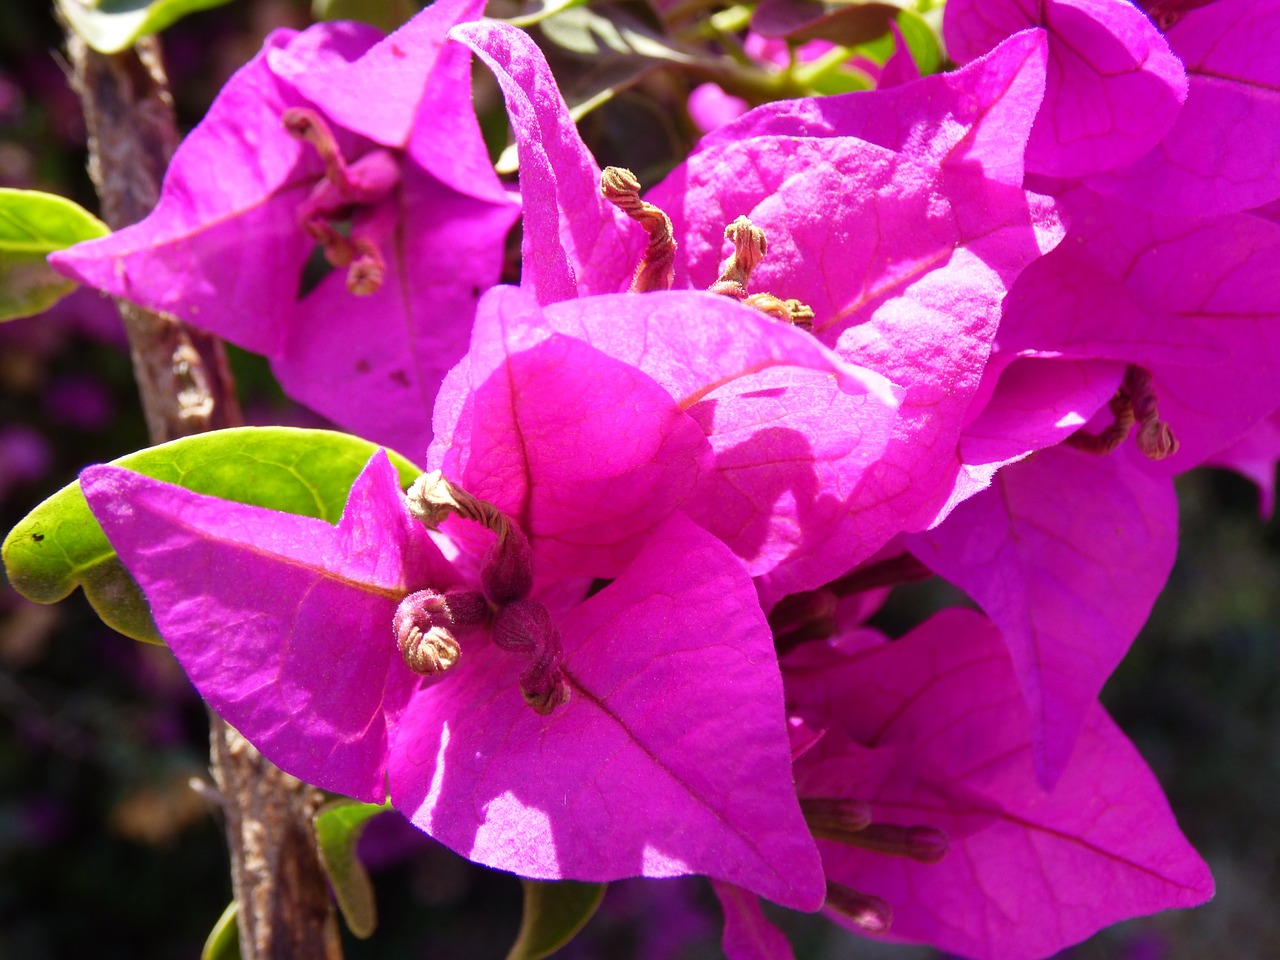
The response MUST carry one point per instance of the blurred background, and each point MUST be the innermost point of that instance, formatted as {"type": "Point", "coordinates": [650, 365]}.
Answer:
{"type": "Point", "coordinates": [106, 852]}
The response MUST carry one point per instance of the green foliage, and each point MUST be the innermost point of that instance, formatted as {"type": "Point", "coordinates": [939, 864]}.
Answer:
{"type": "Point", "coordinates": [59, 545]}
{"type": "Point", "coordinates": [548, 8]}
{"type": "Point", "coordinates": [110, 26]}
{"type": "Point", "coordinates": [338, 828]}
{"type": "Point", "coordinates": [386, 15]}
{"type": "Point", "coordinates": [224, 939]}
{"type": "Point", "coordinates": [33, 225]}
{"type": "Point", "coordinates": [554, 912]}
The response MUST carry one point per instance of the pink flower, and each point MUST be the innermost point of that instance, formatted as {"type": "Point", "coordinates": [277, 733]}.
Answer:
{"type": "Point", "coordinates": [897, 216]}
{"type": "Point", "coordinates": [916, 775]}
{"type": "Point", "coordinates": [325, 127]}
{"type": "Point", "coordinates": [636, 731]}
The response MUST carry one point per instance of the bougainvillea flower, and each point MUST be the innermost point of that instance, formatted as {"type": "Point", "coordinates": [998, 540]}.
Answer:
{"type": "Point", "coordinates": [902, 234]}
{"type": "Point", "coordinates": [405, 166]}
{"type": "Point", "coordinates": [669, 757]}
{"type": "Point", "coordinates": [1114, 87]}
{"type": "Point", "coordinates": [1222, 154]}
{"type": "Point", "coordinates": [930, 731]}
{"type": "Point", "coordinates": [1193, 301]}
{"type": "Point", "coordinates": [768, 434]}
{"type": "Point", "coordinates": [1068, 550]}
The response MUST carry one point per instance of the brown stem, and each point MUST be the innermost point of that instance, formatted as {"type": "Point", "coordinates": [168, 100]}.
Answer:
{"type": "Point", "coordinates": [186, 388]}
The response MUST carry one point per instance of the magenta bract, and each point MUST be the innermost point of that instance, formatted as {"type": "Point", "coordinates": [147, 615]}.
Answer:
{"type": "Point", "coordinates": [229, 256]}
{"type": "Point", "coordinates": [671, 756]}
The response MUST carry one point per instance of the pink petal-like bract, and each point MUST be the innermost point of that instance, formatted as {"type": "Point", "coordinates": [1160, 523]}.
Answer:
{"type": "Point", "coordinates": [1222, 155]}
{"type": "Point", "coordinates": [1194, 301]}
{"type": "Point", "coordinates": [1114, 87]}
{"type": "Point", "coordinates": [1032, 871]}
{"type": "Point", "coordinates": [283, 623]}
{"type": "Point", "coordinates": [1066, 552]}
{"type": "Point", "coordinates": [228, 253]}
{"type": "Point", "coordinates": [792, 428]}
{"type": "Point", "coordinates": [671, 756]}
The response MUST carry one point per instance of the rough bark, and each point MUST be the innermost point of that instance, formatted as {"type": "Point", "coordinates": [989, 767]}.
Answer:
{"type": "Point", "coordinates": [186, 388]}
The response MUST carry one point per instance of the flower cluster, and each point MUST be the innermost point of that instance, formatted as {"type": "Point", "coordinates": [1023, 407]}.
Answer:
{"type": "Point", "coordinates": [968, 325]}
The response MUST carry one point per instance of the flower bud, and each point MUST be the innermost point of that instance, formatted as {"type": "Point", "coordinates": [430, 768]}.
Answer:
{"type": "Point", "coordinates": [825, 815]}
{"type": "Point", "coordinates": [525, 626]}
{"type": "Point", "coordinates": [1156, 440]}
{"type": "Point", "coordinates": [424, 625]}
{"type": "Point", "coordinates": [507, 571]}
{"type": "Point", "coordinates": [863, 910]}
{"type": "Point", "coordinates": [922, 844]}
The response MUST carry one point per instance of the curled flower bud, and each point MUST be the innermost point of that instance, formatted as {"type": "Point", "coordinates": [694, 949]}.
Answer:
{"type": "Point", "coordinates": [657, 268]}
{"type": "Point", "coordinates": [1134, 402]}
{"type": "Point", "coordinates": [507, 571]}
{"type": "Point", "coordinates": [865, 911]}
{"type": "Point", "coordinates": [545, 692]}
{"type": "Point", "coordinates": [365, 274]}
{"type": "Point", "coordinates": [525, 627]}
{"type": "Point", "coordinates": [424, 634]}
{"type": "Point", "coordinates": [424, 625]}
{"type": "Point", "coordinates": [749, 247]}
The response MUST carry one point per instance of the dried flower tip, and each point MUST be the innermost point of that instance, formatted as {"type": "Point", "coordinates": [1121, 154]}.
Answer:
{"type": "Point", "coordinates": [1155, 437]}
{"type": "Point", "coordinates": [432, 498]}
{"type": "Point", "coordinates": [307, 125]}
{"type": "Point", "coordinates": [842, 814]}
{"type": "Point", "coordinates": [801, 314]}
{"type": "Point", "coordinates": [423, 629]}
{"type": "Point", "coordinates": [546, 693]}
{"type": "Point", "coordinates": [749, 246]}
{"type": "Point", "coordinates": [923, 844]}
{"type": "Point", "coordinates": [868, 913]}
{"type": "Point", "coordinates": [656, 270]}
{"type": "Point", "coordinates": [365, 274]}
{"type": "Point", "coordinates": [1156, 440]}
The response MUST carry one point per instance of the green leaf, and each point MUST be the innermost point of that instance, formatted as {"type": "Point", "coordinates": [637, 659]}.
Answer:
{"type": "Point", "coordinates": [554, 912]}
{"type": "Point", "coordinates": [59, 545]}
{"type": "Point", "coordinates": [549, 8]}
{"type": "Point", "coordinates": [921, 40]}
{"type": "Point", "coordinates": [386, 15]}
{"type": "Point", "coordinates": [110, 26]}
{"type": "Point", "coordinates": [223, 942]}
{"type": "Point", "coordinates": [32, 226]}
{"type": "Point", "coordinates": [338, 828]}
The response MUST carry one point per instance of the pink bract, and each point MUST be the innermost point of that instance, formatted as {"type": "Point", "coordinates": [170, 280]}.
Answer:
{"type": "Point", "coordinates": [229, 255]}
{"type": "Point", "coordinates": [1027, 872]}
{"type": "Point", "coordinates": [671, 756]}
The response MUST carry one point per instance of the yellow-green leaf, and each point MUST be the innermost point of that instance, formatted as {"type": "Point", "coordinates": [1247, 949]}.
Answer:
{"type": "Point", "coordinates": [110, 26]}
{"type": "Point", "coordinates": [32, 226]}
{"type": "Point", "coordinates": [554, 912]}
{"type": "Point", "coordinates": [338, 828]}
{"type": "Point", "coordinates": [59, 545]}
